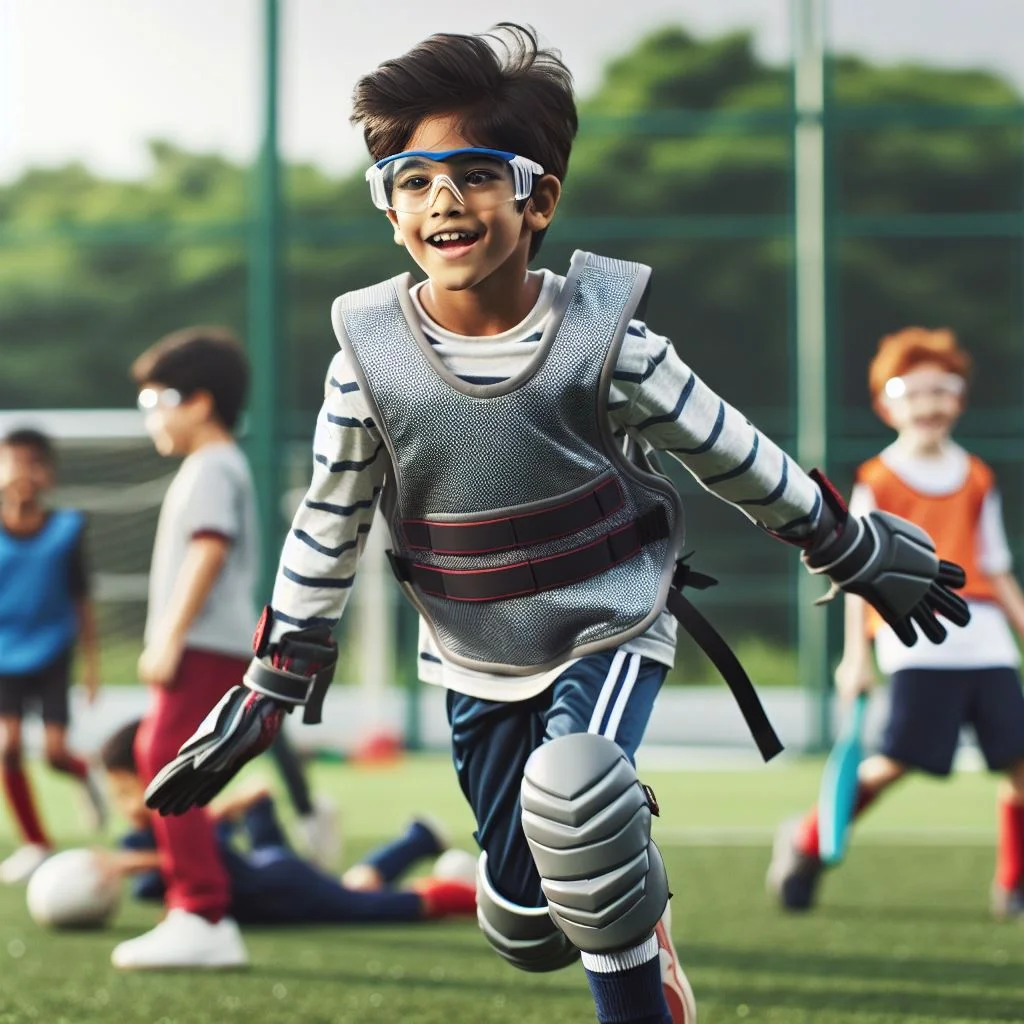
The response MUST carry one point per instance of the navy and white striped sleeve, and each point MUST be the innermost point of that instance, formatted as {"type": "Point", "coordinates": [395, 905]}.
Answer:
{"type": "Point", "coordinates": [328, 532]}
{"type": "Point", "coordinates": [656, 395]}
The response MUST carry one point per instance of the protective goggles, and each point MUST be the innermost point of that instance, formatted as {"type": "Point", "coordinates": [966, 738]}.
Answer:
{"type": "Point", "coordinates": [480, 179]}
{"type": "Point", "coordinates": [927, 384]}
{"type": "Point", "coordinates": [159, 398]}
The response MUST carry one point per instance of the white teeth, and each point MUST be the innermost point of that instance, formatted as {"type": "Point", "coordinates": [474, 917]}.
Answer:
{"type": "Point", "coordinates": [451, 236]}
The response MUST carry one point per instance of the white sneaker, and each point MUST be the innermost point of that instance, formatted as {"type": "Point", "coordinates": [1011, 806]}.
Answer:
{"type": "Point", "coordinates": [321, 838]}
{"type": "Point", "coordinates": [183, 940]}
{"type": "Point", "coordinates": [675, 984]}
{"type": "Point", "coordinates": [21, 864]}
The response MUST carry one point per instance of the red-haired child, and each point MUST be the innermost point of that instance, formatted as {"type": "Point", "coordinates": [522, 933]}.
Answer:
{"type": "Point", "coordinates": [918, 382]}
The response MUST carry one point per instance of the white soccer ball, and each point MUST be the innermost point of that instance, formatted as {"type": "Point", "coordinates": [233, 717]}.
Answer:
{"type": "Point", "coordinates": [67, 891]}
{"type": "Point", "coordinates": [456, 865]}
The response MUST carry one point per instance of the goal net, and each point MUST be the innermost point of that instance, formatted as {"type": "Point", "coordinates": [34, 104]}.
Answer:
{"type": "Point", "coordinates": [106, 466]}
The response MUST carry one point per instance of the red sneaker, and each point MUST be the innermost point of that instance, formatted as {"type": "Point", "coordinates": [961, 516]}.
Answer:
{"type": "Point", "coordinates": [678, 993]}
{"type": "Point", "coordinates": [447, 897]}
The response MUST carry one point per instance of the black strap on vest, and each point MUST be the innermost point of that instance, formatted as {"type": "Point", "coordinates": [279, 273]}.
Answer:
{"type": "Point", "coordinates": [722, 657]}
{"type": "Point", "coordinates": [520, 530]}
{"type": "Point", "coordinates": [534, 575]}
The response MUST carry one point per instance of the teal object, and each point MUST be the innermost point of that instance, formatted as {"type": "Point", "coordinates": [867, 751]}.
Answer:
{"type": "Point", "coordinates": [838, 795]}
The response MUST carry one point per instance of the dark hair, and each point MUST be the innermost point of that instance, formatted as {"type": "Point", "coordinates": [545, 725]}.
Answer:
{"type": "Point", "coordinates": [29, 437]}
{"type": "Point", "coordinates": [199, 359]}
{"type": "Point", "coordinates": [118, 752]}
{"type": "Point", "coordinates": [508, 92]}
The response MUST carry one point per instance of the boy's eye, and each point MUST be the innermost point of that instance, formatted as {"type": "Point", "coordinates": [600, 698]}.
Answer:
{"type": "Point", "coordinates": [412, 183]}
{"type": "Point", "coordinates": [480, 176]}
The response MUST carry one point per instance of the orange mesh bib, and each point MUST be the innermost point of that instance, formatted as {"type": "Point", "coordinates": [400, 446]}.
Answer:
{"type": "Point", "coordinates": [952, 520]}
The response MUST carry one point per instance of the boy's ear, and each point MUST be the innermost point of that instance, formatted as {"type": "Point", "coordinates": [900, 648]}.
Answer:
{"type": "Point", "coordinates": [393, 217]}
{"type": "Point", "coordinates": [540, 208]}
{"type": "Point", "coordinates": [203, 402]}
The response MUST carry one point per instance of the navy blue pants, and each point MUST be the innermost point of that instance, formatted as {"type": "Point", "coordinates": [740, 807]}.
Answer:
{"type": "Point", "coordinates": [611, 693]}
{"type": "Point", "coordinates": [272, 885]}
{"type": "Point", "coordinates": [928, 708]}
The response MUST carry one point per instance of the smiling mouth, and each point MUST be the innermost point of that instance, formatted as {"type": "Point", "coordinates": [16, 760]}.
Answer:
{"type": "Point", "coordinates": [452, 239]}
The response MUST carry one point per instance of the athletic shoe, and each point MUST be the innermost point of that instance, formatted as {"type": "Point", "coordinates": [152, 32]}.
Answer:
{"type": "Point", "coordinates": [183, 940]}
{"type": "Point", "coordinates": [21, 864]}
{"type": "Point", "coordinates": [1007, 904]}
{"type": "Point", "coordinates": [321, 837]}
{"type": "Point", "coordinates": [793, 875]}
{"type": "Point", "coordinates": [676, 986]}
{"type": "Point", "coordinates": [96, 811]}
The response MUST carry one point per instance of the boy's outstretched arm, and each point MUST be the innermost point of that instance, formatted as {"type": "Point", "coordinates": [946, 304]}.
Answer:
{"type": "Point", "coordinates": [295, 651]}
{"type": "Point", "coordinates": [886, 560]}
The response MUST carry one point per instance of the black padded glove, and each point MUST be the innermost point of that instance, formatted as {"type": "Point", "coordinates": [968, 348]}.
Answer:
{"type": "Point", "coordinates": [247, 719]}
{"type": "Point", "coordinates": [889, 562]}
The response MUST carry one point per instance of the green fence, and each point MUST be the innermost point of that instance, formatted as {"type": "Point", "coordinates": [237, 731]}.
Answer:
{"type": "Point", "coordinates": [699, 168]}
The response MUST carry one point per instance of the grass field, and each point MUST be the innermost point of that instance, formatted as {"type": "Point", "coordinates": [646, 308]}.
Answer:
{"type": "Point", "coordinates": [902, 933]}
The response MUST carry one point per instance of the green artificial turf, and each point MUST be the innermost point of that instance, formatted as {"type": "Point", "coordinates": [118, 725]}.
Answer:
{"type": "Point", "coordinates": [901, 934]}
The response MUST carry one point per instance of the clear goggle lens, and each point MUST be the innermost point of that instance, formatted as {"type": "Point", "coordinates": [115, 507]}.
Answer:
{"type": "Point", "coordinates": [922, 385]}
{"type": "Point", "coordinates": [158, 398]}
{"type": "Point", "coordinates": [479, 179]}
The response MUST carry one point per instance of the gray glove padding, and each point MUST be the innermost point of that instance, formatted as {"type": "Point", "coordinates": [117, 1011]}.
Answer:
{"type": "Point", "coordinates": [247, 719]}
{"type": "Point", "coordinates": [889, 562]}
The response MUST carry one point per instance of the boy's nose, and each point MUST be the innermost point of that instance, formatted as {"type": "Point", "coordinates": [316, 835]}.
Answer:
{"type": "Point", "coordinates": [443, 191]}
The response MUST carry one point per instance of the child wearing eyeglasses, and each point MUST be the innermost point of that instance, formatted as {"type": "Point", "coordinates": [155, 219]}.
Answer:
{"type": "Point", "coordinates": [507, 419]}
{"type": "Point", "coordinates": [918, 383]}
{"type": "Point", "coordinates": [192, 388]}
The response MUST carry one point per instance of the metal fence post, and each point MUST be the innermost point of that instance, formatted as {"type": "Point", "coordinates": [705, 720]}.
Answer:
{"type": "Point", "coordinates": [811, 326]}
{"type": "Point", "coordinates": [268, 396]}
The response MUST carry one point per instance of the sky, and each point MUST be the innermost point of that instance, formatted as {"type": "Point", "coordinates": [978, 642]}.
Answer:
{"type": "Point", "coordinates": [92, 80]}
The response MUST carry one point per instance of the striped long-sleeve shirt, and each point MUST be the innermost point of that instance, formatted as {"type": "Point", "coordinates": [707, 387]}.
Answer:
{"type": "Point", "coordinates": [655, 398]}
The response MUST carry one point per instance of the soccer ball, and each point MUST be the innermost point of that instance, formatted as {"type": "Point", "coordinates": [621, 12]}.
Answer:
{"type": "Point", "coordinates": [457, 865]}
{"type": "Point", "coordinates": [67, 891]}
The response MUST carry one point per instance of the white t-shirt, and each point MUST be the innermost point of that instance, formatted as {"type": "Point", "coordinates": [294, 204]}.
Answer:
{"type": "Point", "coordinates": [211, 494]}
{"type": "Point", "coordinates": [986, 641]}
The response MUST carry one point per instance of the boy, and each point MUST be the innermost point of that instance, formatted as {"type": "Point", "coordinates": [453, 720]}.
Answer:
{"type": "Point", "coordinates": [44, 611]}
{"type": "Point", "coordinates": [270, 884]}
{"type": "Point", "coordinates": [491, 407]}
{"type": "Point", "coordinates": [192, 388]}
{"type": "Point", "coordinates": [918, 382]}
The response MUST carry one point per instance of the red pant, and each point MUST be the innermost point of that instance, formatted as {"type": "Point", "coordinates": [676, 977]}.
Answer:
{"type": "Point", "coordinates": [194, 876]}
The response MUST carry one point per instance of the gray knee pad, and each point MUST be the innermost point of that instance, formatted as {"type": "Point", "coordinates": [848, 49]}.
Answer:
{"type": "Point", "coordinates": [525, 936]}
{"type": "Point", "coordinates": [588, 822]}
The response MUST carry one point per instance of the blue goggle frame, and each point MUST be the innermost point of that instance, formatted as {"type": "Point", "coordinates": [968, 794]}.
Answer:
{"type": "Point", "coordinates": [524, 170]}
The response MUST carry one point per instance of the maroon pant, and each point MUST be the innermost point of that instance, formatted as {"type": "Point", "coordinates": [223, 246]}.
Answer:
{"type": "Point", "coordinates": [193, 873]}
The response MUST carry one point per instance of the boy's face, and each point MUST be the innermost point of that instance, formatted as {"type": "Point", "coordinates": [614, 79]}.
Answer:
{"type": "Point", "coordinates": [924, 404]}
{"type": "Point", "coordinates": [25, 472]}
{"type": "Point", "coordinates": [172, 421]}
{"type": "Point", "coordinates": [128, 796]}
{"type": "Point", "coordinates": [488, 237]}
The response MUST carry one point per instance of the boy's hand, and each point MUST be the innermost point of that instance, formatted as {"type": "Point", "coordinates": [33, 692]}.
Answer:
{"type": "Point", "coordinates": [242, 725]}
{"type": "Point", "coordinates": [247, 719]}
{"type": "Point", "coordinates": [110, 865]}
{"type": "Point", "coordinates": [158, 663]}
{"type": "Point", "coordinates": [889, 562]}
{"type": "Point", "coordinates": [855, 676]}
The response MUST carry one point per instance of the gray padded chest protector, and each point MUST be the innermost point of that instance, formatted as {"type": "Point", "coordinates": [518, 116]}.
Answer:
{"type": "Point", "coordinates": [463, 452]}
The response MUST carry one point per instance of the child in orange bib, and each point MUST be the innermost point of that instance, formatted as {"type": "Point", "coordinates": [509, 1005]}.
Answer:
{"type": "Point", "coordinates": [918, 381]}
